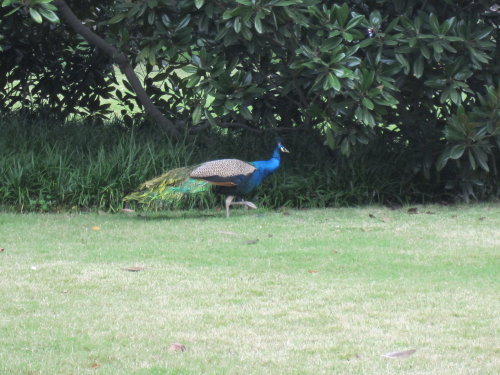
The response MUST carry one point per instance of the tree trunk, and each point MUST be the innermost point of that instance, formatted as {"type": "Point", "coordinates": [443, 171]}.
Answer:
{"type": "Point", "coordinates": [120, 59]}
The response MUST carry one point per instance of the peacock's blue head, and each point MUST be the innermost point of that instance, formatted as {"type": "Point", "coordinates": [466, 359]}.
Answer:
{"type": "Point", "coordinates": [280, 145]}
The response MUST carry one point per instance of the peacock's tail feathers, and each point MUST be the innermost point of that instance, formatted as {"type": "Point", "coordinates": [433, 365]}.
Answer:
{"type": "Point", "coordinates": [170, 178]}
{"type": "Point", "coordinates": [170, 187]}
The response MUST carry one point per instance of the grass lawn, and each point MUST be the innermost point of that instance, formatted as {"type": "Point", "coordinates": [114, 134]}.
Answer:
{"type": "Point", "coordinates": [264, 292]}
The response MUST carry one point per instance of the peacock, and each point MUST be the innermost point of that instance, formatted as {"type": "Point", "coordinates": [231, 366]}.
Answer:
{"type": "Point", "coordinates": [231, 177]}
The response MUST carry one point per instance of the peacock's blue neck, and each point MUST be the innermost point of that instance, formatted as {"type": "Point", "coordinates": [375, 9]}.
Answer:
{"type": "Point", "coordinates": [266, 167]}
{"type": "Point", "coordinates": [276, 154]}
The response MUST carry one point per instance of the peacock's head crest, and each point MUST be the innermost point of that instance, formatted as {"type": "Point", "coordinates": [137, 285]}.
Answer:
{"type": "Point", "coordinates": [280, 145]}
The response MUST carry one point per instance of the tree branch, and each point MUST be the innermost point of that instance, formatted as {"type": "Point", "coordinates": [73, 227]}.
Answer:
{"type": "Point", "coordinates": [120, 59]}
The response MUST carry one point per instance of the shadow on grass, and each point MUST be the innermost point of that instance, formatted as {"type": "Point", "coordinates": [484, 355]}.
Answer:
{"type": "Point", "coordinates": [191, 214]}
{"type": "Point", "coordinates": [146, 216]}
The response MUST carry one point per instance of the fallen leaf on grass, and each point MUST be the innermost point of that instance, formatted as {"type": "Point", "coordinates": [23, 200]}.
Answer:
{"type": "Point", "coordinates": [228, 232]}
{"type": "Point", "coordinates": [252, 242]}
{"type": "Point", "coordinates": [176, 347]}
{"type": "Point", "coordinates": [96, 228]}
{"type": "Point", "coordinates": [413, 210]}
{"type": "Point", "coordinates": [95, 365]}
{"type": "Point", "coordinates": [134, 269]}
{"type": "Point", "coordinates": [403, 354]}
{"type": "Point", "coordinates": [313, 271]}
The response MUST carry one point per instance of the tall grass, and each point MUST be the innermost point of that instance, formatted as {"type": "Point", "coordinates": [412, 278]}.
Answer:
{"type": "Point", "coordinates": [52, 166]}
{"type": "Point", "coordinates": [46, 165]}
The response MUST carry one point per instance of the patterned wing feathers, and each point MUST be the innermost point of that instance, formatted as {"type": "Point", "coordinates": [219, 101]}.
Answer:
{"type": "Point", "coordinates": [223, 171]}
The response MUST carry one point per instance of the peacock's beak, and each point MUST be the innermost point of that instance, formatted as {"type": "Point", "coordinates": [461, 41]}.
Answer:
{"type": "Point", "coordinates": [283, 149]}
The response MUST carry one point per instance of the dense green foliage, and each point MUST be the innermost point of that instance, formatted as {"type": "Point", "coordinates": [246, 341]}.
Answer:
{"type": "Point", "coordinates": [411, 78]}
{"type": "Point", "coordinates": [47, 68]}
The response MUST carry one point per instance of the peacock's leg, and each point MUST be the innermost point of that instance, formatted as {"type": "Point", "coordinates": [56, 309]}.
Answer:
{"type": "Point", "coordinates": [229, 199]}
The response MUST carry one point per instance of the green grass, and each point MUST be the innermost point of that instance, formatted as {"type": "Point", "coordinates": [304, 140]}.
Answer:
{"type": "Point", "coordinates": [264, 292]}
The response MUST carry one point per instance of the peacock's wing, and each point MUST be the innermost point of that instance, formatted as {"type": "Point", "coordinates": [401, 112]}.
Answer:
{"type": "Point", "coordinates": [168, 187]}
{"type": "Point", "coordinates": [223, 172]}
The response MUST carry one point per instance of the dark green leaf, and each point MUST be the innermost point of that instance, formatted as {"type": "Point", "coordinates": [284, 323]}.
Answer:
{"type": "Point", "coordinates": [425, 52]}
{"type": "Point", "coordinates": [481, 33]}
{"type": "Point", "coordinates": [368, 103]}
{"type": "Point", "coordinates": [258, 25]}
{"type": "Point", "coordinates": [237, 25]}
{"type": "Point", "coordinates": [341, 13]}
{"type": "Point", "coordinates": [183, 23]}
{"type": "Point", "coordinates": [12, 11]}
{"type": "Point", "coordinates": [438, 83]}
{"type": "Point", "coordinates": [49, 15]}
{"type": "Point", "coordinates": [472, 161]}
{"type": "Point", "coordinates": [197, 114]}
{"type": "Point", "coordinates": [333, 82]}
{"type": "Point", "coordinates": [404, 63]}
{"type": "Point", "coordinates": [457, 151]}
{"type": "Point", "coordinates": [442, 160]}
{"type": "Point", "coordinates": [193, 81]}
{"type": "Point", "coordinates": [248, 79]}
{"type": "Point", "coordinates": [166, 20]}
{"type": "Point", "coordinates": [190, 69]}
{"type": "Point", "coordinates": [210, 118]}
{"type": "Point", "coordinates": [245, 112]}
{"type": "Point", "coordinates": [285, 3]}
{"type": "Point", "coordinates": [446, 25]}
{"type": "Point", "coordinates": [481, 158]}
{"type": "Point", "coordinates": [35, 15]}
{"type": "Point", "coordinates": [418, 67]}
{"type": "Point", "coordinates": [151, 18]}
{"type": "Point", "coordinates": [366, 43]}
{"type": "Point", "coordinates": [348, 36]}
{"type": "Point", "coordinates": [196, 60]}
{"type": "Point", "coordinates": [434, 23]}
{"type": "Point", "coordinates": [345, 147]}
{"type": "Point", "coordinates": [353, 22]}
{"type": "Point", "coordinates": [375, 18]}
{"type": "Point", "coordinates": [117, 18]}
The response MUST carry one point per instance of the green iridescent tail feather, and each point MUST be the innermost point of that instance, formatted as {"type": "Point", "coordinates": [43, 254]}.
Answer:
{"type": "Point", "coordinates": [168, 188]}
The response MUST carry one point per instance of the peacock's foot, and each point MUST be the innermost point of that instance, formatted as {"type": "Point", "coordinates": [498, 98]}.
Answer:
{"type": "Point", "coordinates": [248, 205]}
{"type": "Point", "coordinates": [230, 202]}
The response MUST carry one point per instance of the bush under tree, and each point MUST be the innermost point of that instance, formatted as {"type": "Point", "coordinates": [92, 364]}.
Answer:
{"type": "Point", "coordinates": [418, 80]}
